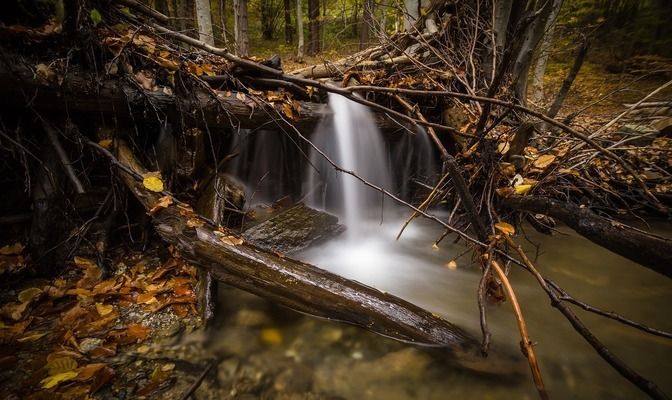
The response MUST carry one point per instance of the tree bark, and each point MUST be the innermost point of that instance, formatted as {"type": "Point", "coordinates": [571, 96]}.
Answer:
{"type": "Point", "coordinates": [313, 27]}
{"type": "Point", "coordinates": [289, 29]}
{"type": "Point", "coordinates": [650, 251]}
{"type": "Point", "coordinates": [542, 58]}
{"type": "Point", "coordinates": [530, 41]}
{"type": "Point", "coordinates": [367, 22]}
{"type": "Point", "coordinates": [299, 31]}
{"type": "Point", "coordinates": [240, 28]}
{"type": "Point", "coordinates": [204, 21]}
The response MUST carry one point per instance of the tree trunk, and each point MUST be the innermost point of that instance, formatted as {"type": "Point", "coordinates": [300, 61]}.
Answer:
{"type": "Point", "coordinates": [567, 82]}
{"type": "Point", "coordinates": [313, 27]}
{"type": "Point", "coordinates": [299, 30]}
{"type": "Point", "coordinates": [222, 21]}
{"type": "Point", "coordinates": [411, 14]}
{"type": "Point", "coordinates": [542, 58]}
{"type": "Point", "coordinates": [367, 22]}
{"type": "Point", "coordinates": [530, 41]}
{"type": "Point", "coordinates": [650, 251]}
{"type": "Point", "coordinates": [240, 28]}
{"type": "Point", "coordinates": [289, 29]}
{"type": "Point", "coordinates": [204, 21]}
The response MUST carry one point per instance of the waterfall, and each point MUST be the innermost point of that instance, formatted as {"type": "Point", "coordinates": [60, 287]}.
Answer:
{"type": "Point", "coordinates": [350, 139]}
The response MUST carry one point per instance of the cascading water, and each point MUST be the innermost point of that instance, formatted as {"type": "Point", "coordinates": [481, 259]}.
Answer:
{"type": "Point", "coordinates": [352, 141]}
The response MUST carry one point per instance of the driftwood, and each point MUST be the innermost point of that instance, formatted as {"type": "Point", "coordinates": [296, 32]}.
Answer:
{"type": "Point", "coordinates": [650, 251]}
{"type": "Point", "coordinates": [292, 283]}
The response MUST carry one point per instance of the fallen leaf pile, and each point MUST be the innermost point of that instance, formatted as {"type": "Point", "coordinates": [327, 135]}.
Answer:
{"type": "Point", "coordinates": [63, 338]}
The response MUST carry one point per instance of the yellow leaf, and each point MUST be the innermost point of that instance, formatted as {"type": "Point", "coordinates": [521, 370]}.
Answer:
{"type": "Point", "coordinates": [143, 349]}
{"type": "Point", "coordinates": [32, 337]}
{"type": "Point", "coordinates": [104, 309]}
{"type": "Point", "coordinates": [522, 189]}
{"type": "Point", "coordinates": [451, 265]}
{"type": "Point", "coordinates": [52, 381]}
{"type": "Point", "coordinates": [435, 247]}
{"type": "Point", "coordinates": [10, 250]}
{"type": "Point", "coordinates": [153, 183]}
{"type": "Point", "coordinates": [505, 228]}
{"type": "Point", "coordinates": [544, 161]}
{"type": "Point", "coordinates": [26, 296]}
{"type": "Point", "coordinates": [167, 63]}
{"type": "Point", "coordinates": [60, 365]}
{"type": "Point", "coordinates": [271, 336]}
{"type": "Point", "coordinates": [105, 143]}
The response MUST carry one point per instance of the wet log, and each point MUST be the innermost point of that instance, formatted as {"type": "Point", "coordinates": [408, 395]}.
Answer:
{"type": "Point", "coordinates": [295, 284]}
{"type": "Point", "coordinates": [650, 251]}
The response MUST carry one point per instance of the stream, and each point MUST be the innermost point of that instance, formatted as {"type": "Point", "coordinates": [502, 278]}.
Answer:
{"type": "Point", "coordinates": [322, 359]}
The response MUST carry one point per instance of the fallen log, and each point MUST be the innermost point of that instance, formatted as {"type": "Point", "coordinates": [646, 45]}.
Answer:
{"type": "Point", "coordinates": [78, 91]}
{"type": "Point", "coordinates": [650, 251]}
{"type": "Point", "coordinates": [294, 284]}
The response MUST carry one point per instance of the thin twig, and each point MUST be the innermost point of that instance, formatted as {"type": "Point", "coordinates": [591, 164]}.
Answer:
{"type": "Point", "coordinates": [526, 344]}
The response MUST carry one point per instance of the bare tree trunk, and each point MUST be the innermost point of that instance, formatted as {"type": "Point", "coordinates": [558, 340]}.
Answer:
{"type": "Point", "coordinates": [367, 21]}
{"type": "Point", "coordinates": [531, 38]}
{"type": "Point", "coordinates": [222, 20]}
{"type": "Point", "coordinates": [204, 21]}
{"type": "Point", "coordinates": [289, 29]}
{"type": "Point", "coordinates": [313, 26]}
{"type": "Point", "coordinates": [542, 58]}
{"type": "Point", "coordinates": [567, 83]}
{"type": "Point", "coordinates": [299, 30]}
{"type": "Point", "coordinates": [240, 28]}
{"type": "Point", "coordinates": [411, 13]}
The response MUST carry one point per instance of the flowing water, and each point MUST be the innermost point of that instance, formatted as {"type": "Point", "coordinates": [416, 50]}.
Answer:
{"type": "Point", "coordinates": [413, 269]}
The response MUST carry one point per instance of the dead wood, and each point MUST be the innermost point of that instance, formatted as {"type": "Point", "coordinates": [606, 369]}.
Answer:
{"type": "Point", "coordinates": [292, 283]}
{"type": "Point", "coordinates": [650, 251]}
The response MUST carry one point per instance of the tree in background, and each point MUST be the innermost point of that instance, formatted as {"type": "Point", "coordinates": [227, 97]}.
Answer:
{"type": "Point", "coordinates": [289, 29]}
{"type": "Point", "coordinates": [314, 45]}
{"type": "Point", "coordinates": [299, 30]}
{"type": "Point", "coordinates": [367, 22]}
{"type": "Point", "coordinates": [269, 12]}
{"type": "Point", "coordinates": [240, 27]}
{"type": "Point", "coordinates": [204, 22]}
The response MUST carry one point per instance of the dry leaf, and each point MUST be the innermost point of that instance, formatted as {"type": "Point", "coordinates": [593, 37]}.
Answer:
{"type": "Point", "coordinates": [505, 228]}
{"type": "Point", "coordinates": [451, 265]}
{"type": "Point", "coordinates": [11, 250]}
{"type": "Point", "coordinates": [59, 365]}
{"type": "Point", "coordinates": [26, 296]}
{"type": "Point", "coordinates": [240, 96]}
{"type": "Point", "coordinates": [104, 309]}
{"type": "Point", "coordinates": [163, 202]}
{"type": "Point", "coordinates": [544, 161]}
{"type": "Point", "coordinates": [231, 240]}
{"type": "Point", "coordinates": [105, 143]}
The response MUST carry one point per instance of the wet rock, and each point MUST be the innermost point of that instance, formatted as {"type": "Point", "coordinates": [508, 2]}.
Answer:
{"type": "Point", "coordinates": [227, 369]}
{"type": "Point", "coordinates": [252, 318]}
{"type": "Point", "coordinates": [296, 379]}
{"type": "Point", "coordinates": [294, 229]}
